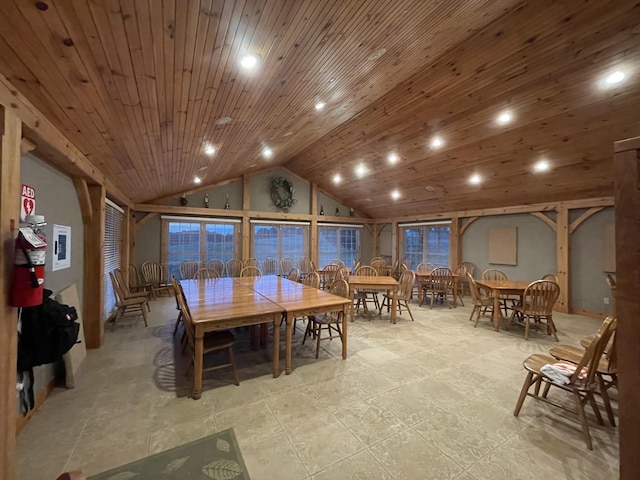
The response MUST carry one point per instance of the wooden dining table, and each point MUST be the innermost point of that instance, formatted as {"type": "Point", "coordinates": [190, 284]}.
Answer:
{"type": "Point", "coordinates": [501, 288]}
{"type": "Point", "coordinates": [358, 282]}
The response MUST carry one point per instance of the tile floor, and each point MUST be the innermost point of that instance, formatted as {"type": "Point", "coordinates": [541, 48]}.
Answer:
{"type": "Point", "coordinates": [430, 399]}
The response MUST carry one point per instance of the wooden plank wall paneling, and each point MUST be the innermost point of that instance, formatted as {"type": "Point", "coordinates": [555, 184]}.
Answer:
{"type": "Point", "coordinates": [627, 172]}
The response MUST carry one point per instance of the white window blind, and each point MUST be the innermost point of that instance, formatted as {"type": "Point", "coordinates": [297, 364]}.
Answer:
{"type": "Point", "coordinates": [279, 239]}
{"type": "Point", "coordinates": [338, 242]}
{"type": "Point", "coordinates": [112, 236]}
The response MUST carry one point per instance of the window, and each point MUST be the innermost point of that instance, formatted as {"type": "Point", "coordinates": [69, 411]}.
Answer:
{"type": "Point", "coordinates": [112, 235]}
{"type": "Point", "coordinates": [279, 239]}
{"type": "Point", "coordinates": [338, 241]}
{"type": "Point", "coordinates": [425, 242]}
{"type": "Point", "coordinates": [196, 239]}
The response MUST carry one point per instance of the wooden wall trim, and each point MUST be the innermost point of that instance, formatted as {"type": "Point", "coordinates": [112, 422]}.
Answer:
{"type": "Point", "coordinates": [545, 219]}
{"type": "Point", "coordinates": [145, 219]}
{"type": "Point", "coordinates": [627, 225]}
{"type": "Point", "coordinates": [578, 221]}
{"type": "Point", "coordinates": [455, 243]}
{"type": "Point", "coordinates": [10, 136]}
{"type": "Point", "coordinates": [42, 395]}
{"type": "Point", "coordinates": [562, 258]}
{"type": "Point", "coordinates": [82, 190]}
{"type": "Point", "coordinates": [125, 240]}
{"type": "Point", "coordinates": [93, 274]}
{"type": "Point", "coordinates": [26, 146]}
{"type": "Point", "coordinates": [464, 227]}
{"type": "Point", "coordinates": [191, 191]}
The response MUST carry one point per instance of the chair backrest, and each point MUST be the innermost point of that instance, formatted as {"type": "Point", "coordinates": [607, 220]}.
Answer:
{"type": "Point", "coordinates": [550, 276]}
{"type": "Point", "coordinates": [366, 271]}
{"type": "Point", "coordinates": [152, 272]}
{"type": "Point", "coordinates": [234, 267]}
{"type": "Point", "coordinates": [336, 261]}
{"type": "Point", "coordinates": [593, 353]}
{"type": "Point", "coordinates": [205, 274]}
{"type": "Point", "coordinates": [540, 297]}
{"type": "Point", "coordinates": [294, 275]}
{"type": "Point", "coordinates": [342, 274]}
{"type": "Point", "coordinates": [251, 262]}
{"type": "Point", "coordinates": [611, 282]}
{"type": "Point", "coordinates": [356, 266]}
{"type": "Point", "coordinates": [473, 288]}
{"type": "Point", "coordinates": [407, 279]}
{"type": "Point", "coordinates": [470, 267]}
{"type": "Point", "coordinates": [217, 265]}
{"type": "Point", "coordinates": [461, 271]}
{"type": "Point", "coordinates": [250, 271]}
{"type": "Point", "coordinates": [380, 265]}
{"type": "Point", "coordinates": [122, 284]}
{"type": "Point", "coordinates": [340, 287]}
{"type": "Point", "coordinates": [312, 279]}
{"type": "Point", "coordinates": [184, 310]}
{"type": "Point", "coordinates": [116, 288]}
{"type": "Point", "coordinates": [270, 266]}
{"type": "Point", "coordinates": [424, 267]}
{"type": "Point", "coordinates": [134, 278]}
{"type": "Point", "coordinates": [188, 269]}
{"type": "Point", "coordinates": [305, 265]}
{"type": "Point", "coordinates": [494, 274]}
{"type": "Point", "coordinates": [286, 264]}
{"type": "Point", "coordinates": [440, 279]}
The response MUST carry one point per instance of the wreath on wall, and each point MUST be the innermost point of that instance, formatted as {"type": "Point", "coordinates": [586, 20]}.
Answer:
{"type": "Point", "coordinates": [282, 193]}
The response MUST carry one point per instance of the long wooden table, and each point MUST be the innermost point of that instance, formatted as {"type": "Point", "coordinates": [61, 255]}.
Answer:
{"type": "Point", "coordinates": [501, 288]}
{"type": "Point", "coordinates": [357, 282]}
{"type": "Point", "coordinates": [225, 303]}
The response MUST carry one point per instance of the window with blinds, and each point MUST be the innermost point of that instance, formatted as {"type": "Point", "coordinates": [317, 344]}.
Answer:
{"type": "Point", "coordinates": [338, 242]}
{"type": "Point", "coordinates": [425, 242]}
{"type": "Point", "coordinates": [112, 238]}
{"type": "Point", "coordinates": [279, 239]}
{"type": "Point", "coordinates": [197, 239]}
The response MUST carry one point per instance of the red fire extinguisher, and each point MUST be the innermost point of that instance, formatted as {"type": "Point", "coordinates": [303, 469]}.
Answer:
{"type": "Point", "coordinates": [28, 267]}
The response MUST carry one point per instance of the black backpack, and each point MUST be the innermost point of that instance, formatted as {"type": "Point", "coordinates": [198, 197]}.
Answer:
{"type": "Point", "coordinates": [48, 331]}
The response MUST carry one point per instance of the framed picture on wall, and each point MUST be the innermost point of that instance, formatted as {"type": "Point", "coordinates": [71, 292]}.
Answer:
{"type": "Point", "coordinates": [61, 245]}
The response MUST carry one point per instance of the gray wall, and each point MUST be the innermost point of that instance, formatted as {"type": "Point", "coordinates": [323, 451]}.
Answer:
{"type": "Point", "coordinates": [147, 242]}
{"type": "Point", "coordinates": [588, 284]}
{"type": "Point", "coordinates": [536, 248]}
{"type": "Point", "coordinates": [260, 191]}
{"type": "Point", "coordinates": [330, 205]}
{"type": "Point", "coordinates": [56, 199]}
{"type": "Point", "coordinates": [217, 197]}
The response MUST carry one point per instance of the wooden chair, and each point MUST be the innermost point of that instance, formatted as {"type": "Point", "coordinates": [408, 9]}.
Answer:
{"type": "Point", "coordinates": [305, 265]}
{"type": "Point", "coordinates": [294, 275]}
{"type": "Point", "coordinates": [375, 259]}
{"type": "Point", "coordinates": [251, 271]}
{"type": "Point", "coordinates": [177, 291]}
{"type": "Point", "coordinates": [270, 266]}
{"type": "Point", "coordinates": [188, 269]}
{"type": "Point", "coordinates": [234, 267]}
{"type": "Point", "coordinates": [137, 283]}
{"type": "Point", "coordinates": [380, 266]}
{"type": "Point", "coordinates": [469, 268]}
{"type": "Point", "coordinates": [328, 321]}
{"type": "Point", "coordinates": [342, 273]}
{"type": "Point", "coordinates": [153, 273]}
{"type": "Point", "coordinates": [606, 373]}
{"type": "Point", "coordinates": [361, 297]}
{"type": "Point", "coordinates": [212, 342]}
{"type": "Point", "coordinates": [505, 302]}
{"type": "Point", "coordinates": [217, 265]}
{"type": "Point", "coordinates": [458, 283]}
{"type": "Point", "coordinates": [126, 291]}
{"type": "Point", "coordinates": [312, 279]}
{"type": "Point", "coordinates": [286, 264]}
{"type": "Point", "coordinates": [439, 285]}
{"type": "Point", "coordinates": [550, 276]}
{"type": "Point", "coordinates": [581, 389]}
{"type": "Point", "coordinates": [206, 274]}
{"type": "Point", "coordinates": [336, 261]}
{"type": "Point", "coordinates": [329, 275]}
{"type": "Point", "coordinates": [251, 262]}
{"type": "Point", "coordinates": [481, 303]}
{"type": "Point", "coordinates": [425, 267]}
{"type": "Point", "coordinates": [128, 307]}
{"type": "Point", "coordinates": [538, 300]}
{"type": "Point", "coordinates": [407, 279]}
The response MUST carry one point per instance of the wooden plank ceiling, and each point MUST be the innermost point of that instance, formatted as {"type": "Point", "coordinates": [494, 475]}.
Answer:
{"type": "Point", "coordinates": [139, 85]}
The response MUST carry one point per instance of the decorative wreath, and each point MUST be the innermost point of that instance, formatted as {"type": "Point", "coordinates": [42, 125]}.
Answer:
{"type": "Point", "coordinates": [282, 193]}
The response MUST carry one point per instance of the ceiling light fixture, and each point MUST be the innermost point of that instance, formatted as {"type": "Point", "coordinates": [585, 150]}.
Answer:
{"type": "Point", "coordinates": [614, 78]}
{"type": "Point", "coordinates": [361, 170]}
{"type": "Point", "coordinates": [319, 106]}
{"type": "Point", "coordinates": [337, 178]}
{"type": "Point", "coordinates": [377, 54]}
{"type": "Point", "coordinates": [395, 194]}
{"type": "Point", "coordinates": [197, 180]}
{"type": "Point", "coordinates": [249, 61]}
{"type": "Point", "coordinates": [436, 142]}
{"type": "Point", "coordinates": [475, 179]}
{"type": "Point", "coordinates": [504, 118]}
{"type": "Point", "coordinates": [209, 149]}
{"type": "Point", "coordinates": [541, 166]}
{"type": "Point", "coordinates": [393, 158]}
{"type": "Point", "coordinates": [223, 120]}
{"type": "Point", "coordinates": [267, 152]}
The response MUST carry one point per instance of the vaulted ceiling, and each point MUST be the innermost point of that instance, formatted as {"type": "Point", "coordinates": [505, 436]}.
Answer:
{"type": "Point", "coordinates": [140, 86]}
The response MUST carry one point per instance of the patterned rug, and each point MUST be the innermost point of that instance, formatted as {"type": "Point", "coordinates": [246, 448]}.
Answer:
{"type": "Point", "coordinates": [216, 456]}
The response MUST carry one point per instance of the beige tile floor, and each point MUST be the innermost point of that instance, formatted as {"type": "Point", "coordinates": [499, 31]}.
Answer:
{"type": "Point", "coordinates": [430, 399]}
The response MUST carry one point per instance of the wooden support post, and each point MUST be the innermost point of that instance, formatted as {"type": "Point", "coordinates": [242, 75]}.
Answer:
{"type": "Point", "coordinates": [245, 252]}
{"type": "Point", "coordinates": [10, 135]}
{"type": "Point", "coordinates": [125, 240]}
{"type": "Point", "coordinates": [395, 243]}
{"type": "Point", "coordinates": [455, 243]}
{"type": "Point", "coordinates": [627, 195]}
{"type": "Point", "coordinates": [313, 233]}
{"type": "Point", "coordinates": [246, 206]}
{"type": "Point", "coordinates": [562, 258]}
{"type": "Point", "coordinates": [94, 268]}
{"type": "Point", "coordinates": [132, 237]}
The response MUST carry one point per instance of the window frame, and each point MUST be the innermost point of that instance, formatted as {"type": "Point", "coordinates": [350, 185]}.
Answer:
{"type": "Point", "coordinates": [338, 253]}
{"type": "Point", "coordinates": [424, 255]}
{"type": "Point", "coordinates": [280, 225]}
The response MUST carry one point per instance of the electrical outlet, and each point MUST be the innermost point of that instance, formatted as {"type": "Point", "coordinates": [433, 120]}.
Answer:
{"type": "Point", "coordinates": [606, 300]}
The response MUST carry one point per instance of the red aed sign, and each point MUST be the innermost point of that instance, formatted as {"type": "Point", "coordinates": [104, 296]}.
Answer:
{"type": "Point", "coordinates": [27, 202]}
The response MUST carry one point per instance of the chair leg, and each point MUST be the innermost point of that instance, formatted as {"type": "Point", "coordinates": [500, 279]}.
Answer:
{"type": "Point", "coordinates": [319, 335]}
{"type": "Point", "coordinates": [526, 327]}
{"type": "Point", "coordinates": [406, 304]}
{"type": "Point", "coordinates": [552, 326]}
{"type": "Point", "coordinates": [606, 400]}
{"type": "Point", "coordinates": [583, 420]}
{"type": "Point", "coordinates": [594, 406]}
{"type": "Point", "coordinates": [144, 315]}
{"type": "Point", "coordinates": [232, 361]}
{"type": "Point", "coordinates": [545, 392]}
{"type": "Point", "coordinates": [523, 393]}
{"type": "Point", "coordinates": [178, 320]}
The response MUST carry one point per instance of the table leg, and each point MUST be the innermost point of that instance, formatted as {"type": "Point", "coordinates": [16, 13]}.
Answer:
{"type": "Point", "coordinates": [496, 310]}
{"type": "Point", "coordinates": [287, 361]}
{"type": "Point", "coordinates": [455, 294]}
{"type": "Point", "coordinates": [276, 346]}
{"type": "Point", "coordinates": [197, 367]}
{"type": "Point", "coordinates": [351, 307]}
{"type": "Point", "coordinates": [394, 304]}
{"type": "Point", "coordinates": [344, 331]}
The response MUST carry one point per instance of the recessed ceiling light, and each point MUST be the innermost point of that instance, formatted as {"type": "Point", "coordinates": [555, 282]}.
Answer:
{"type": "Point", "coordinates": [209, 149]}
{"type": "Point", "coordinates": [504, 118]}
{"type": "Point", "coordinates": [249, 61]}
{"type": "Point", "coordinates": [331, 80]}
{"type": "Point", "coordinates": [377, 54]}
{"type": "Point", "coordinates": [475, 179]}
{"type": "Point", "coordinates": [393, 158]}
{"type": "Point", "coordinates": [361, 170]}
{"type": "Point", "coordinates": [436, 142]}
{"type": "Point", "coordinates": [395, 194]}
{"type": "Point", "coordinates": [429, 188]}
{"type": "Point", "coordinates": [267, 152]}
{"type": "Point", "coordinates": [614, 78]}
{"type": "Point", "coordinates": [541, 166]}
{"type": "Point", "coordinates": [319, 106]}
{"type": "Point", "coordinates": [223, 120]}
{"type": "Point", "coordinates": [197, 180]}
{"type": "Point", "coordinates": [337, 178]}
{"type": "Point", "coordinates": [287, 134]}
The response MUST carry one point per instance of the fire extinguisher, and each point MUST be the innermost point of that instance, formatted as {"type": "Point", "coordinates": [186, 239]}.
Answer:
{"type": "Point", "coordinates": [28, 267]}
